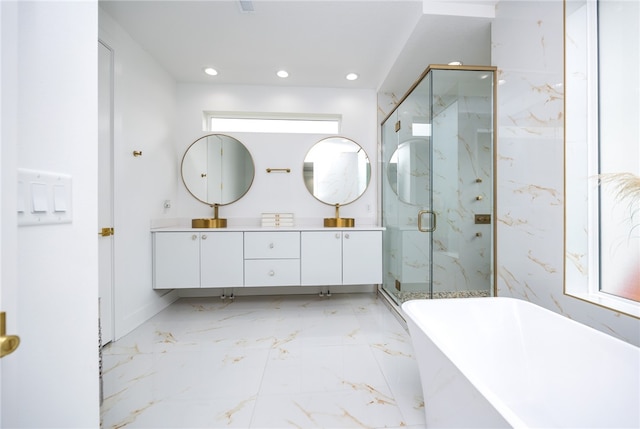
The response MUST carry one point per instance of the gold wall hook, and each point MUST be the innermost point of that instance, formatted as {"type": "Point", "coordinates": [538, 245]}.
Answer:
{"type": "Point", "coordinates": [137, 153]}
{"type": "Point", "coordinates": [8, 343]}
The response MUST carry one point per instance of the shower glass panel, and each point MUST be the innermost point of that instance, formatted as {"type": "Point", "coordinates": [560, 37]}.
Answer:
{"type": "Point", "coordinates": [437, 191]}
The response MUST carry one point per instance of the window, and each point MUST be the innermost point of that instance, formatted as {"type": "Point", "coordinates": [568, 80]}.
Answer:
{"type": "Point", "coordinates": [272, 123]}
{"type": "Point", "coordinates": [602, 153]}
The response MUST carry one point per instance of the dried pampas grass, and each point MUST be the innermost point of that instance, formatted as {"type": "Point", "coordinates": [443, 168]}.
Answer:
{"type": "Point", "coordinates": [625, 185]}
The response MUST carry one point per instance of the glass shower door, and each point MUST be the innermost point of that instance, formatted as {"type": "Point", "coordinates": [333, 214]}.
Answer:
{"type": "Point", "coordinates": [462, 183]}
{"type": "Point", "coordinates": [407, 213]}
{"type": "Point", "coordinates": [437, 154]}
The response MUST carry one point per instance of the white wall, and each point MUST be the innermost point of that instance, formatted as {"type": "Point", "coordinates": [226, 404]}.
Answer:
{"type": "Point", "coordinates": [527, 40]}
{"type": "Point", "coordinates": [49, 117]}
{"type": "Point", "coordinates": [144, 120]}
{"type": "Point", "coordinates": [278, 192]}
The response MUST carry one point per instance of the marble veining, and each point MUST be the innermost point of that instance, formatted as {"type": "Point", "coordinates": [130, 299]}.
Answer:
{"type": "Point", "coordinates": [265, 362]}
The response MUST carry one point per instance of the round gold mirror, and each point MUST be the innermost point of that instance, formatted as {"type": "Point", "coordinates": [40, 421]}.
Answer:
{"type": "Point", "coordinates": [337, 172]}
{"type": "Point", "coordinates": [217, 170]}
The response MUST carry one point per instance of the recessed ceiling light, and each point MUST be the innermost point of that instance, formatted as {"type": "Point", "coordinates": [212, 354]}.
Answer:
{"type": "Point", "coordinates": [282, 74]}
{"type": "Point", "coordinates": [210, 71]}
{"type": "Point", "coordinates": [246, 5]}
{"type": "Point", "coordinates": [455, 63]}
{"type": "Point", "coordinates": [352, 76]}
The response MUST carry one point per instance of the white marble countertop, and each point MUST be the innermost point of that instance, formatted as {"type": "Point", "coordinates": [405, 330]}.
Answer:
{"type": "Point", "coordinates": [267, 228]}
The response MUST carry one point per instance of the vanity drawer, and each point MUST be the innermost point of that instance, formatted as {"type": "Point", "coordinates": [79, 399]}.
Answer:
{"type": "Point", "coordinates": [272, 245]}
{"type": "Point", "coordinates": [272, 272]}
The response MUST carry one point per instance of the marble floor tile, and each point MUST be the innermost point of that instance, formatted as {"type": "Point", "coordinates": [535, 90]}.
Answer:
{"type": "Point", "coordinates": [265, 362]}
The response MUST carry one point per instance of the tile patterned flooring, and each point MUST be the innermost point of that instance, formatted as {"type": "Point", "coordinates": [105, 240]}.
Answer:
{"type": "Point", "coordinates": [265, 362]}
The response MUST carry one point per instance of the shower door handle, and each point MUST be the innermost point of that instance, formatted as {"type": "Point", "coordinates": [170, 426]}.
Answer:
{"type": "Point", "coordinates": [433, 221]}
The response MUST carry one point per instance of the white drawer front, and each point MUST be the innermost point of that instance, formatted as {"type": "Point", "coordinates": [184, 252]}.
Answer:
{"type": "Point", "coordinates": [272, 272]}
{"type": "Point", "coordinates": [271, 245]}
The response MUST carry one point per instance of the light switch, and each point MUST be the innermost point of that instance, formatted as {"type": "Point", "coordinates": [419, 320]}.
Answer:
{"type": "Point", "coordinates": [59, 198]}
{"type": "Point", "coordinates": [39, 203]}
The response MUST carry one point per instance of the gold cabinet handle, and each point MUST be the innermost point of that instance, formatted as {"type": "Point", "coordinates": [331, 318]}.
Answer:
{"type": "Point", "coordinates": [433, 223]}
{"type": "Point", "coordinates": [106, 232]}
{"type": "Point", "coordinates": [8, 343]}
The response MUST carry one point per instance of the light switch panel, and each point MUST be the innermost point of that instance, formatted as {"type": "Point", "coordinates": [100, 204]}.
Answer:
{"type": "Point", "coordinates": [44, 198]}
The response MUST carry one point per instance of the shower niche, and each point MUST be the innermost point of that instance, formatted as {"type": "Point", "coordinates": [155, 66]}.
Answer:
{"type": "Point", "coordinates": [438, 149]}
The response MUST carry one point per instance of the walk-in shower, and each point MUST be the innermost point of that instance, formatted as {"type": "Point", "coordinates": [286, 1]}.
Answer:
{"type": "Point", "coordinates": [438, 149]}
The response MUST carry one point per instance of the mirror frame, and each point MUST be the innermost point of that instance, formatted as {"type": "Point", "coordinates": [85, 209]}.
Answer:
{"type": "Point", "coordinates": [212, 204]}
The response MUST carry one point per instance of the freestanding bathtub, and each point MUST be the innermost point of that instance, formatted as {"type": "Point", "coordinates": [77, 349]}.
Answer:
{"type": "Point", "coordinates": [504, 362]}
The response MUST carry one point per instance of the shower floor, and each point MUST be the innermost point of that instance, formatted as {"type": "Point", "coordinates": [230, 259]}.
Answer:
{"type": "Point", "coordinates": [404, 296]}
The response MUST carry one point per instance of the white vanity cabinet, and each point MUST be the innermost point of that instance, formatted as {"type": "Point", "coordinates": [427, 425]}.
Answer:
{"type": "Point", "coordinates": [197, 259]}
{"type": "Point", "coordinates": [258, 257]}
{"type": "Point", "coordinates": [272, 258]}
{"type": "Point", "coordinates": [341, 257]}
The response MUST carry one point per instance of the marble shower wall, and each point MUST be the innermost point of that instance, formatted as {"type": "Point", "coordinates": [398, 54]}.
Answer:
{"type": "Point", "coordinates": [527, 47]}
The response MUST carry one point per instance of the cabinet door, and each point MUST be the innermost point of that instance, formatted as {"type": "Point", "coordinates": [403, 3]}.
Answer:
{"type": "Point", "coordinates": [321, 258]}
{"type": "Point", "coordinates": [221, 259]}
{"type": "Point", "coordinates": [176, 260]}
{"type": "Point", "coordinates": [362, 257]}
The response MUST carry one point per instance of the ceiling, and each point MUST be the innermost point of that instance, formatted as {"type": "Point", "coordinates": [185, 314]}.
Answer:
{"type": "Point", "coordinates": [388, 43]}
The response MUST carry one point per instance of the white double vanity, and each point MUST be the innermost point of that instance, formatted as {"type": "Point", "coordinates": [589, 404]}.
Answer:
{"type": "Point", "coordinates": [264, 257]}
{"type": "Point", "coordinates": [218, 170]}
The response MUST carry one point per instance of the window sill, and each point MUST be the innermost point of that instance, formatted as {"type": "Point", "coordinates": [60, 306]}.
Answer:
{"type": "Point", "coordinates": [621, 305]}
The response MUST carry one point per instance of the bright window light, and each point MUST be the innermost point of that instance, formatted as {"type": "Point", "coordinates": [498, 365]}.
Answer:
{"type": "Point", "coordinates": [285, 124]}
{"type": "Point", "coordinates": [421, 130]}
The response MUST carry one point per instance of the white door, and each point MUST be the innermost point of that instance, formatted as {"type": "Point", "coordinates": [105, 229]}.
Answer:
{"type": "Point", "coordinates": [105, 190]}
{"type": "Point", "coordinates": [49, 273]}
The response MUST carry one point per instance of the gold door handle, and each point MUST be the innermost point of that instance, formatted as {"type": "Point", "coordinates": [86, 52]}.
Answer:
{"type": "Point", "coordinates": [106, 232]}
{"type": "Point", "coordinates": [433, 223]}
{"type": "Point", "coordinates": [8, 343]}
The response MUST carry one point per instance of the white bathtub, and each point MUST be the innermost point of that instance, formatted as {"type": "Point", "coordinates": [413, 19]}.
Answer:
{"type": "Point", "coordinates": [503, 362]}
